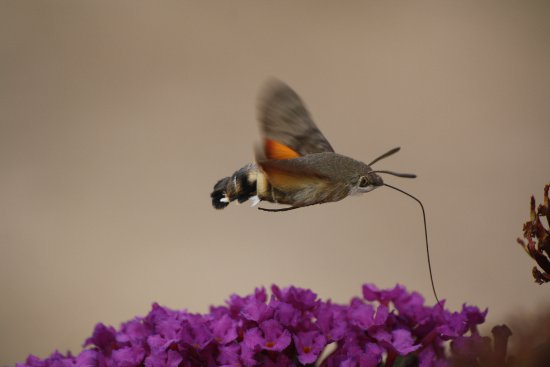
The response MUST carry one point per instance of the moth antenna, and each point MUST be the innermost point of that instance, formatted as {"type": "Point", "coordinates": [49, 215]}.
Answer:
{"type": "Point", "coordinates": [385, 155]}
{"type": "Point", "coordinates": [404, 175]}
{"type": "Point", "coordinates": [426, 236]}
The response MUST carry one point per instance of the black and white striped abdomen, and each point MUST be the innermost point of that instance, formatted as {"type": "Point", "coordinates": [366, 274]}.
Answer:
{"type": "Point", "coordinates": [241, 186]}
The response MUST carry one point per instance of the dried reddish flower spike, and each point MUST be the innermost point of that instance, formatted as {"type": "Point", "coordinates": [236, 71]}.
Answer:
{"type": "Point", "coordinates": [537, 238]}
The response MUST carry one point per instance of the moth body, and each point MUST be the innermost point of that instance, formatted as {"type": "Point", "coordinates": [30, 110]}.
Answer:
{"type": "Point", "coordinates": [296, 164]}
{"type": "Point", "coordinates": [312, 179]}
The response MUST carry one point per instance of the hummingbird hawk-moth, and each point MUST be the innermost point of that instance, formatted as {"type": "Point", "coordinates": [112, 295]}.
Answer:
{"type": "Point", "coordinates": [296, 165]}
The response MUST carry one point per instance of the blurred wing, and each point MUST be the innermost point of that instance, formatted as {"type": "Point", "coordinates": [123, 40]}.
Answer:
{"type": "Point", "coordinates": [302, 184]}
{"type": "Point", "coordinates": [287, 176]}
{"type": "Point", "coordinates": [284, 119]}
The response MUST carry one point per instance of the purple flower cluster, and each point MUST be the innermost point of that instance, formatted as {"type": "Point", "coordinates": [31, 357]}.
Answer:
{"type": "Point", "coordinates": [291, 328]}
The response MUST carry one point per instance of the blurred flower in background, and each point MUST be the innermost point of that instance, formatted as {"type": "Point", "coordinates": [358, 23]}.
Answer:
{"type": "Point", "coordinates": [537, 239]}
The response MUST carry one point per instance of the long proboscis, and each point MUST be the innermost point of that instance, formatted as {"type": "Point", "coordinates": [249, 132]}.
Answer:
{"type": "Point", "coordinates": [425, 235]}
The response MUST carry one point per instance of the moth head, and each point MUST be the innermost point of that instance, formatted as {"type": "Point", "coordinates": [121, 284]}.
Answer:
{"type": "Point", "coordinates": [368, 182]}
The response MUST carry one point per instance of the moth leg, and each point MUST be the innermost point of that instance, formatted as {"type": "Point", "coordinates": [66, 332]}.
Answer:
{"type": "Point", "coordinates": [280, 209]}
{"type": "Point", "coordinates": [285, 209]}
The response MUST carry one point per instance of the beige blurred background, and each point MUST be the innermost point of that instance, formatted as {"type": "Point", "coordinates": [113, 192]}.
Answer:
{"type": "Point", "coordinates": [118, 118]}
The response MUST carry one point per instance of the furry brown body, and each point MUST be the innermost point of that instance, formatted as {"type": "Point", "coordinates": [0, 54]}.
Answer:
{"type": "Point", "coordinates": [303, 181]}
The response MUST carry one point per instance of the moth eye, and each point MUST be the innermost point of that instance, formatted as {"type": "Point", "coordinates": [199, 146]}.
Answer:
{"type": "Point", "coordinates": [363, 182]}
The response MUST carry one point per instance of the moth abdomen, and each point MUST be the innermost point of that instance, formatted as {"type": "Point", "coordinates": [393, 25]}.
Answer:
{"type": "Point", "coordinates": [240, 186]}
{"type": "Point", "coordinates": [218, 194]}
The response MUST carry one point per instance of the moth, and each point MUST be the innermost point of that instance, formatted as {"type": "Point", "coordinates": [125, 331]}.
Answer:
{"type": "Point", "coordinates": [296, 166]}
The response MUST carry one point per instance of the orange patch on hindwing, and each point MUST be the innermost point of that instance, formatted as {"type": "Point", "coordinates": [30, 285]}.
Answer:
{"type": "Point", "coordinates": [275, 150]}
{"type": "Point", "coordinates": [288, 179]}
